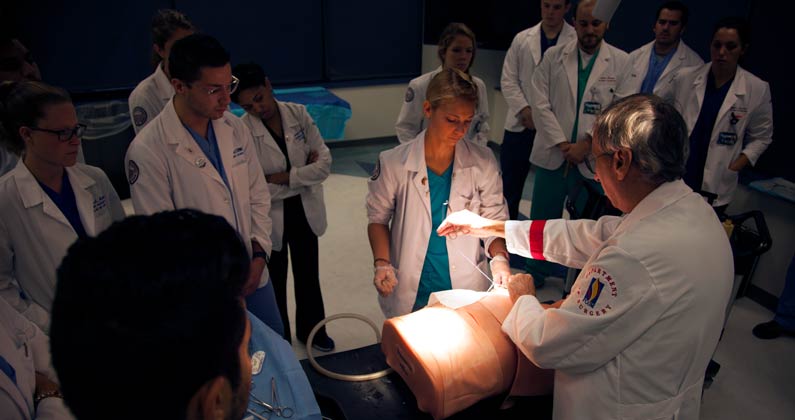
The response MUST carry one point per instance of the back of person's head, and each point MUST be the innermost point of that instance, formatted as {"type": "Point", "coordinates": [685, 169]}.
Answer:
{"type": "Point", "coordinates": [146, 313]}
{"type": "Point", "coordinates": [448, 35]}
{"type": "Point", "coordinates": [164, 23]}
{"type": "Point", "coordinates": [675, 6]}
{"type": "Point", "coordinates": [22, 104]}
{"type": "Point", "coordinates": [250, 75]}
{"type": "Point", "coordinates": [737, 23]}
{"type": "Point", "coordinates": [652, 129]}
{"type": "Point", "coordinates": [450, 84]}
{"type": "Point", "coordinates": [16, 61]}
{"type": "Point", "coordinates": [190, 54]}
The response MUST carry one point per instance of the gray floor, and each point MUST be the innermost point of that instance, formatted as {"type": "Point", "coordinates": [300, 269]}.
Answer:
{"type": "Point", "coordinates": [755, 380]}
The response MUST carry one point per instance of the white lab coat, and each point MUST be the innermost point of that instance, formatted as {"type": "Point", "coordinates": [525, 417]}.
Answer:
{"type": "Point", "coordinates": [167, 170]}
{"type": "Point", "coordinates": [27, 349]}
{"type": "Point", "coordinates": [683, 58]}
{"type": "Point", "coordinates": [399, 197]}
{"type": "Point", "coordinates": [411, 120]}
{"type": "Point", "coordinates": [746, 114]}
{"type": "Point", "coordinates": [554, 96]}
{"type": "Point", "coordinates": [34, 234]}
{"type": "Point", "coordinates": [521, 60]}
{"type": "Point", "coordinates": [149, 98]}
{"type": "Point", "coordinates": [301, 136]}
{"type": "Point", "coordinates": [634, 337]}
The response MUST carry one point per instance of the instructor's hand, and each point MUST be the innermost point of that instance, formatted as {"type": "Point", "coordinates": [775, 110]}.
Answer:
{"type": "Point", "coordinates": [465, 222]}
{"type": "Point", "coordinates": [520, 285]}
{"type": "Point", "coordinates": [500, 270]}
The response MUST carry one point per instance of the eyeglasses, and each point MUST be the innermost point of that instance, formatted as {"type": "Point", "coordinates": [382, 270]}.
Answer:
{"type": "Point", "coordinates": [230, 88]}
{"type": "Point", "coordinates": [65, 135]}
{"type": "Point", "coordinates": [590, 161]}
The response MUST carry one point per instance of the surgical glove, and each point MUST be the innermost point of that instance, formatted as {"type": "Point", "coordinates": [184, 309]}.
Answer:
{"type": "Point", "coordinates": [520, 285]}
{"type": "Point", "coordinates": [500, 270]}
{"type": "Point", "coordinates": [384, 279]}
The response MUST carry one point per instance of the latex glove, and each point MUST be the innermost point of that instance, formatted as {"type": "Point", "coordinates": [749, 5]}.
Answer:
{"type": "Point", "coordinates": [500, 270]}
{"type": "Point", "coordinates": [464, 222]}
{"type": "Point", "coordinates": [384, 279]}
{"type": "Point", "coordinates": [520, 285]}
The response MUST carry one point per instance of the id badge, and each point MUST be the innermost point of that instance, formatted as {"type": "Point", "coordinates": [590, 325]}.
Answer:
{"type": "Point", "coordinates": [727, 138]}
{"type": "Point", "coordinates": [592, 108]}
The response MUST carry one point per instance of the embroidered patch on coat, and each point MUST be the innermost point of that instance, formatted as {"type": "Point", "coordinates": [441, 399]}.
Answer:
{"type": "Point", "coordinates": [132, 172]}
{"type": "Point", "coordinates": [409, 94]}
{"type": "Point", "coordinates": [139, 116]}
{"type": "Point", "coordinates": [596, 296]}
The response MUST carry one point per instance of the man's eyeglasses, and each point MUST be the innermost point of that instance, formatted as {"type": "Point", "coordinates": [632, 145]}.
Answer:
{"type": "Point", "coordinates": [65, 135]}
{"type": "Point", "coordinates": [590, 161]}
{"type": "Point", "coordinates": [230, 88]}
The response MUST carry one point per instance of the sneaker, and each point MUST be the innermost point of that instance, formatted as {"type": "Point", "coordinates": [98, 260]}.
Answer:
{"type": "Point", "coordinates": [323, 343]}
{"type": "Point", "coordinates": [770, 330]}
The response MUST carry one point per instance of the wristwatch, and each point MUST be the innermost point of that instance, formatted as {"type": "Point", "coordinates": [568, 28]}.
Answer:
{"type": "Point", "coordinates": [262, 254]}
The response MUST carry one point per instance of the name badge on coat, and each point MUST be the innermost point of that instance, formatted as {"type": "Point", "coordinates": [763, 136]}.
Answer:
{"type": "Point", "coordinates": [592, 108]}
{"type": "Point", "coordinates": [727, 139]}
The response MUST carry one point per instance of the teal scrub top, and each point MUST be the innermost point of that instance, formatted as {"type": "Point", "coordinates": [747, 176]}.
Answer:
{"type": "Point", "coordinates": [436, 269]}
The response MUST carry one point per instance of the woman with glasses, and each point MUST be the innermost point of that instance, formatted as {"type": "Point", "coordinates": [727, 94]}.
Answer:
{"type": "Point", "coordinates": [457, 49]}
{"type": "Point", "coordinates": [414, 187]}
{"type": "Point", "coordinates": [296, 161]}
{"type": "Point", "coordinates": [48, 200]}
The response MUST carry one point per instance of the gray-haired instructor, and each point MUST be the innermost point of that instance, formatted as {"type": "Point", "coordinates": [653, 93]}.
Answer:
{"type": "Point", "coordinates": [634, 337]}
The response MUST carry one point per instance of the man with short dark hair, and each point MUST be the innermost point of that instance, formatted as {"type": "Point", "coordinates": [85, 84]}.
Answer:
{"type": "Point", "coordinates": [573, 84]}
{"type": "Point", "coordinates": [149, 322]}
{"type": "Point", "coordinates": [633, 339]}
{"type": "Point", "coordinates": [195, 154]}
{"type": "Point", "coordinates": [656, 64]}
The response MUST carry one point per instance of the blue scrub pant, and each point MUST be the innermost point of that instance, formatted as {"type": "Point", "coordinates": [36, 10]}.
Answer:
{"type": "Point", "coordinates": [785, 314]}
{"type": "Point", "coordinates": [262, 303]}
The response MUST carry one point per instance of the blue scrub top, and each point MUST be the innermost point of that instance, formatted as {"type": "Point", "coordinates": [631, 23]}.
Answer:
{"type": "Point", "coordinates": [657, 65]}
{"type": "Point", "coordinates": [67, 204]}
{"type": "Point", "coordinates": [210, 148]}
{"type": "Point", "coordinates": [436, 269]}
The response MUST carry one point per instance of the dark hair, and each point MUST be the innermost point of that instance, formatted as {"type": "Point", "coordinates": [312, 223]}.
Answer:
{"type": "Point", "coordinates": [190, 54]}
{"type": "Point", "coordinates": [164, 23]}
{"type": "Point", "coordinates": [652, 129]}
{"type": "Point", "coordinates": [676, 6]}
{"type": "Point", "coordinates": [448, 36]}
{"type": "Point", "coordinates": [149, 311]}
{"type": "Point", "coordinates": [250, 75]}
{"type": "Point", "coordinates": [737, 23]}
{"type": "Point", "coordinates": [22, 104]}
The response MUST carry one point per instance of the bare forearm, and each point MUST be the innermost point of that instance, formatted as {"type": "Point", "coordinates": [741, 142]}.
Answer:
{"type": "Point", "coordinates": [379, 240]}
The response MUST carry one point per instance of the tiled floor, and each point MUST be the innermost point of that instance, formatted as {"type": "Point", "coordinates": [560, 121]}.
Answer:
{"type": "Point", "coordinates": [756, 377]}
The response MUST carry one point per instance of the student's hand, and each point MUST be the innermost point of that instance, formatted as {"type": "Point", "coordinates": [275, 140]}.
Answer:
{"type": "Point", "coordinates": [500, 270]}
{"type": "Point", "coordinates": [281, 178]}
{"type": "Point", "coordinates": [44, 384]}
{"type": "Point", "coordinates": [312, 157]}
{"type": "Point", "coordinates": [520, 285]}
{"type": "Point", "coordinates": [739, 163]}
{"type": "Point", "coordinates": [464, 222]}
{"type": "Point", "coordinates": [384, 279]}
{"type": "Point", "coordinates": [256, 270]}
{"type": "Point", "coordinates": [578, 152]}
{"type": "Point", "coordinates": [526, 118]}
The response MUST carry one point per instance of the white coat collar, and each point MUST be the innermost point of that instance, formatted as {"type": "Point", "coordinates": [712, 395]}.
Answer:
{"type": "Point", "coordinates": [568, 60]}
{"type": "Point", "coordinates": [736, 89]}
{"type": "Point", "coordinates": [534, 37]}
{"type": "Point", "coordinates": [186, 147]}
{"type": "Point", "coordinates": [162, 84]}
{"type": "Point", "coordinates": [32, 195]}
{"type": "Point", "coordinates": [415, 158]}
{"type": "Point", "coordinates": [665, 195]}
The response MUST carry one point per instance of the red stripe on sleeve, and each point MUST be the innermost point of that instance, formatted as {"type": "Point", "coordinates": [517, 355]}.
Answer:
{"type": "Point", "coordinates": [537, 239]}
